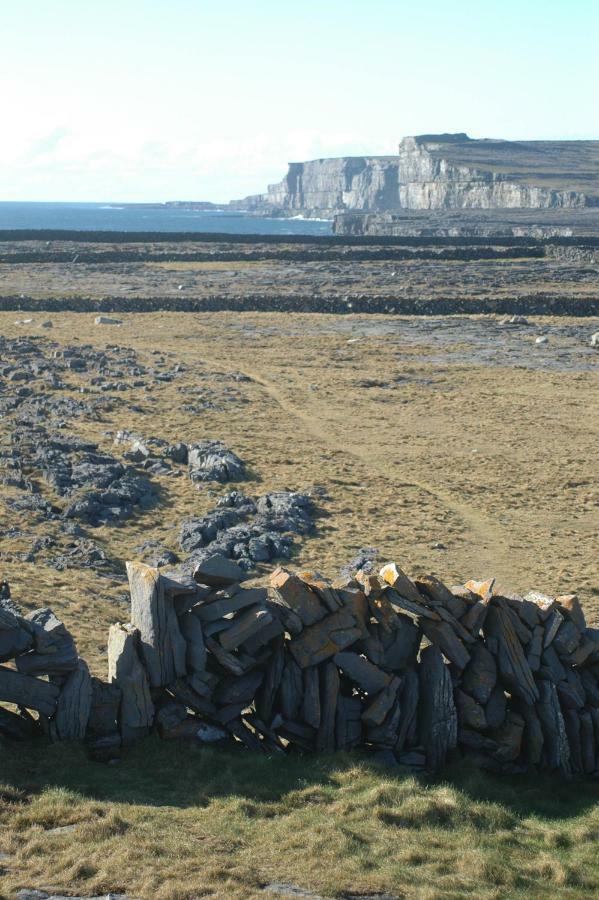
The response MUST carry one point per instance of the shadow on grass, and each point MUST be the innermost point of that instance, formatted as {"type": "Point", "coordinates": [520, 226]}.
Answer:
{"type": "Point", "coordinates": [159, 773]}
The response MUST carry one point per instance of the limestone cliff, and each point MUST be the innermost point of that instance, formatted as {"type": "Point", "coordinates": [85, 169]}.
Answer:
{"type": "Point", "coordinates": [324, 186]}
{"type": "Point", "coordinates": [455, 172]}
{"type": "Point", "coordinates": [447, 171]}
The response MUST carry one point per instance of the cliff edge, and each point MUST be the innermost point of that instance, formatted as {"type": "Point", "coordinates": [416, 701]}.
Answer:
{"type": "Point", "coordinates": [444, 171]}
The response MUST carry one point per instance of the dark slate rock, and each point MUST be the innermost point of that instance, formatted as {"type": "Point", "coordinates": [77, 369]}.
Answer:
{"type": "Point", "coordinates": [178, 452]}
{"type": "Point", "coordinates": [155, 554]}
{"type": "Point", "coordinates": [284, 511]}
{"type": "Point", "coordinates": [248, 532]}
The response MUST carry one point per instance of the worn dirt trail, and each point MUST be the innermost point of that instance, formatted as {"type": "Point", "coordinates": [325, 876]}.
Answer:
{"type": "Point", "coordinates": [480, 533]}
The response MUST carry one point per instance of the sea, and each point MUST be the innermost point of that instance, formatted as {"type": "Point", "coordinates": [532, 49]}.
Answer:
{"type": "Point", "coordinates": [115, 217]}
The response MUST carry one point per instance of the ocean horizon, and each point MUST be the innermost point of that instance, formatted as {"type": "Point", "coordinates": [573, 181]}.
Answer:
{"type": "Point", "coordinates": [16, 215]}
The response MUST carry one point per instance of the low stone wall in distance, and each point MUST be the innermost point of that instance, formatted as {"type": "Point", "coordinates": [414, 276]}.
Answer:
{"type": "Point", "coordinates": [408, 669]}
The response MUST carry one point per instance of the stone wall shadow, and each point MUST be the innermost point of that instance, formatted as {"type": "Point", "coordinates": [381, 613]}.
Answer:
{"type": "Point", "coordinates": [161, 773]}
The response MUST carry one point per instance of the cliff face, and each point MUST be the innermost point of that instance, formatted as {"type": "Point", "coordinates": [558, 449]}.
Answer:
{"type": "Point", "coordinates": [435, 172]}
{"type": "Point", "coordinates": [432, 176]}
{"type": "Point", "coordinates": [324, 186]}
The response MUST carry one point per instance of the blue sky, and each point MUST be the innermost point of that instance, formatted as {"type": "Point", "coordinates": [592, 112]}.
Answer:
{"type": "Point", "coordinates": [141, 100]}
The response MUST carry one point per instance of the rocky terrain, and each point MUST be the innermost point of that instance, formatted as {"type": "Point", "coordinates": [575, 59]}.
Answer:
{"type": "Point", "coordinates": [490, 224]}
{"type": "Point", "coordinates": [443, 171]}
{"type": "Point", "coordinates": [135, 427]}
{"type": "Point", "coordinates": [408, 275]}
{"type": "Point", "coordinates": [113, 449]}
{"type": "Point", "coordinates": [69, 481]}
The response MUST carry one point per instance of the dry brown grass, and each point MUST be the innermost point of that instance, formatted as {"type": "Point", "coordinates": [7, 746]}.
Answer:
{"type": "Point", "coordinates": [466, 281]}
{"type": "Point", "coordinates": [498, 464]}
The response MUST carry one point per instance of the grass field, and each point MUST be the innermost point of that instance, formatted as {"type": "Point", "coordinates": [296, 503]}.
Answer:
{"type": "Point", "coordinates": [176, 821]}
{"type": "Point", "coordinates": [409, 433]}
{"type": "Point", "coordinates": [454, 448]}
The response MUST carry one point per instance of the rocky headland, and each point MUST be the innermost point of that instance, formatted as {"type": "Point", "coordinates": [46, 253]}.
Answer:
{"type": "Point", "coordinates": [439, 173]}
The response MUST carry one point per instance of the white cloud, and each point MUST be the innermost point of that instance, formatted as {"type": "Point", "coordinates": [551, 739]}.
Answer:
{"type": "Point", "coordinates": [157, 166]}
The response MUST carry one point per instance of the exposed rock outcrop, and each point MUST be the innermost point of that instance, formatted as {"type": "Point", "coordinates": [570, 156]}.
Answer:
{"type": "Point", "coordinates": [455, 172]}
{"type": "Point", "coordinates": [543, 224]}
{"type": "Point", "coordinates": [446, 171]}
{"type": "Point", "coordinates": [322, 186]}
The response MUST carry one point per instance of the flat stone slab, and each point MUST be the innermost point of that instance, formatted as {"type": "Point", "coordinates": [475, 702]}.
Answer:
{"type": "Point", "coordinates": [218, 571]}
{"type": "Point", "coordinates": [106, 320]}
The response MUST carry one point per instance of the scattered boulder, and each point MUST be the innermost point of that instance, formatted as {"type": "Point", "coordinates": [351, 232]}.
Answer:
{"type": "Point", "coordinates": [178, 453]}
{"type": "Point", "coordinates": [213, 461]}
{"type": "Point", "coordinates": [107, 320]}
{"type": "Point", "coordinates": [155, 554]}
{"type": "Point", "coordinates": [248, 531]}
{"type": "Point", "coordinates": [515, 320]}
{"type": "Point", "coordinates": [363, 561]}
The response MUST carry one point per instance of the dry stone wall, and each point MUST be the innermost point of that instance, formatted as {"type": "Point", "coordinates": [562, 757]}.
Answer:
{"type": "Point", "coordinates": [408, 669]}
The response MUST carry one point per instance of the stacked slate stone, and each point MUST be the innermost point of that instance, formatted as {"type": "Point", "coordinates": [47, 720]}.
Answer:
{"type": "Point", "coordinates": [409, 669]}
{"type": "Point", "coordinates": [45, 676]}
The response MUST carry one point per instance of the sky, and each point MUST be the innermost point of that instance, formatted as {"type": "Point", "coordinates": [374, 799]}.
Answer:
{"type": "Point", "coordinates": [155, 100]}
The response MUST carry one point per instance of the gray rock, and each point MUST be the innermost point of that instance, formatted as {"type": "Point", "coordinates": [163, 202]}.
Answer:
{"type": "Point", "coordinates": [28, 692]}
{"type": "Point", "coordinates": [74, 706]}
{"type": "Point", "coordinates": [17, 727]}
{"type": "Point", "coordinates": [438, 717]}
{"type": "Point", "coordinates": [155, 554]}
{"type": "Point", "coordinates": [515, 320]}
{"type": "Point", "coordinates": [213, 461]}
{"type": "Point", "coordinates": [210, 734]}
{"type": "Point", "coordinates": [126, 671]}
{"type": "Point", "coordinates": [106, 320]}
{"type": "Point", "coordinates": [177, 452]}
{"type": "Point", "coordinates": [364, 560]}
{"type": "Point", "coordinates": [162, 646]}
{"type": "Point", "coordinates": [368, 676]}
{"type": "Point", "coordinates": [247, 531]}
{"type": "Point", "coordinates": [286, 889]}
{"type": "Point", "coordinates": [218, 571]}
{"type": "Point", "coordinates": [412, 758]}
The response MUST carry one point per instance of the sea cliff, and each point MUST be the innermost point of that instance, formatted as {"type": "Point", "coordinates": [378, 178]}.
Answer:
{"type": "Point", "coordinates": [439, 172]}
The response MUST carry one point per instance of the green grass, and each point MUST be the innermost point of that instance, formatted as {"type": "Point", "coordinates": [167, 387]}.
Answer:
{"type": "Point", "coordinates": [179, 821]}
